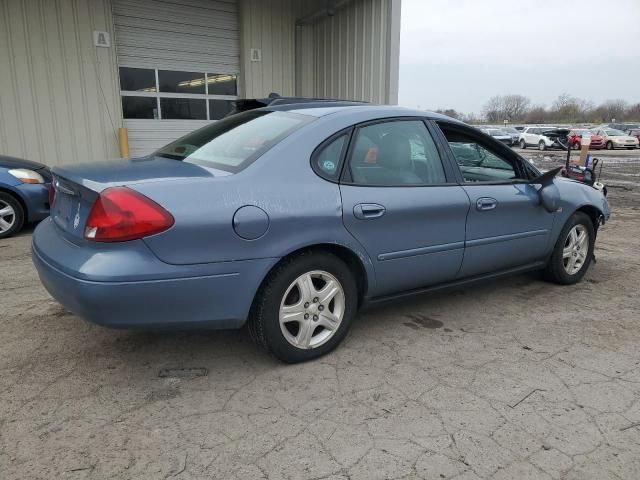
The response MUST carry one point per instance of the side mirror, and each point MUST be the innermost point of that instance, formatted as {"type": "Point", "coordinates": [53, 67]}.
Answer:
{"type": "Point", "coordinates": [548, 191]}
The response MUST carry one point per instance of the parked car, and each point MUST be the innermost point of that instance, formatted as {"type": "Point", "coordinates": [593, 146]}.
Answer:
{"type": "Point", "coordinates": [575, 139]}
{"type": "Point", "coordinates": [616, 139]}
{"type": "Point", "coordinates": [537, 137]}
{"type": "Point", "coordinates": [24, 193]}
{"type": "Point", "coordinates": [290, 218]}
{"type": "Point", "coordinates": [515, 134]}
{"type": "Point", "coordinates": [623, 127]}
{"type": "Point", "coordinates": [499, 134]}
{"type": "Point", "coordinates": [634, 132]}
{"type": "Point", "coordinates": [274, 99]}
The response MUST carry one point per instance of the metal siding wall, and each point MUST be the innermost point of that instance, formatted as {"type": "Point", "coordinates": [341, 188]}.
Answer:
{"type": "Point", "coordinates": [178, 35]}
{"type": "Point", "coordinates": [59, 100]}
{"type": "Point", "coordinates": [351, 52]}
{"type": "Point", "coordinates": [269, 26]}
{"type": "Point", "coordinates": [352, 62]}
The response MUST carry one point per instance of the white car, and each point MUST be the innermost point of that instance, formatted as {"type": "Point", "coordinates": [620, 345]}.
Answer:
{"type": "Point", "coordinates": [613, 138]}
{"type": "Point", "coordinates": [534, 137]}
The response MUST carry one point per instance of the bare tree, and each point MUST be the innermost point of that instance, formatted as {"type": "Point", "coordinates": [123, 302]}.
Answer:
{"type": "Point", "coordinates": [449, 112]}
{"type": "Point", "coordinates": [536, 114]}
{"type": "Point", "coordinates": [567, 108]}
{"type": "Point", "coordinates": [633, 113]}
{"type": "Point", "coordinates": [611, 109]}
{"type": "Point", "coordinates": [493, 109]}
{"type": "Point", "coordinates": [515, 107]}
{"type": "Point", "coordinates": [506, 107]}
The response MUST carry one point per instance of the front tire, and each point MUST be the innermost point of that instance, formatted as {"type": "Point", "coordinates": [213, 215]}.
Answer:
{"type": "Point", "coordinates": [576, 146]}
{"type": "Point", "coordinates": [573, 252]}
{"type": "Point", "coordinates": [11, 215]}
{"type": "Point", "coordinates": [609, 145]}
{"type": "Point", "coordinates": [305, 307]}
{"type": "Point", "coordinates": [523, 144]}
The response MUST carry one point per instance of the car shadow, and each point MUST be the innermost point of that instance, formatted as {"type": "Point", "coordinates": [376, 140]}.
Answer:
{"type": "Point", "coordinates": [227, 348]}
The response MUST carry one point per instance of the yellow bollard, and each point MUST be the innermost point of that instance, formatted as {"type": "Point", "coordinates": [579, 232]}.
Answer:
{"type": "Point", "coordinates": [123, 140]}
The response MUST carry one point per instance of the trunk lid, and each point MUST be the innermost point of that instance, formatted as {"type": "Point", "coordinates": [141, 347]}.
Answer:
{"type": "Point", "coordinates": [78, 186]}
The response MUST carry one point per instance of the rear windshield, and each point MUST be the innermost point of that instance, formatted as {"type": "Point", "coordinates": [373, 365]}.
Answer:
{"type": "Point", "coordinates": [233, 143]}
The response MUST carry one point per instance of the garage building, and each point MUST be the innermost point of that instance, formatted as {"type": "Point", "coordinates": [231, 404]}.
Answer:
{"type": "Point", "coordinates": [75, 71]}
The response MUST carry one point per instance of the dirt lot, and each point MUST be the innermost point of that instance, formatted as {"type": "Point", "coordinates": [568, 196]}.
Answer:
{"type": "Point", "coordinates": [513, 379]}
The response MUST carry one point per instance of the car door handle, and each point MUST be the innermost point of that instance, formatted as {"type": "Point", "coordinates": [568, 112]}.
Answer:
{"type": "Point", "coordinates": [368, 211]}
{"type": "Point", "coordinates": [486, 203]}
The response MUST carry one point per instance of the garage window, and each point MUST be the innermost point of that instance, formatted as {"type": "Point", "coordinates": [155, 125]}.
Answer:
{"type": "Point", "coordinates": [176, 95]}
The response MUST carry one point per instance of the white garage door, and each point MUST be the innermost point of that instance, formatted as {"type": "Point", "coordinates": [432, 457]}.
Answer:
{"type": "Point", "coordinates": [178, 65]}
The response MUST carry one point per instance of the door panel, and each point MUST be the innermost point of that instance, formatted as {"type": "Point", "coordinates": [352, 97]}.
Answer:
{"type": "Point", "coordinates": [506, 226]}
{"type": "Point", "coordinates": [514, 232]}
{"type": "Point", "coordinates": [415, 240]}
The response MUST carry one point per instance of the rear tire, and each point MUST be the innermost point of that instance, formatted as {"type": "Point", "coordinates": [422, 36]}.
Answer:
{"type": "Point", "coordinates": [542, 146]}
{"type": "Point", "coordinates": [12, 215]}
{"type": "Point", "coordinates": [572, 254]}
{"type": "Point", "coordinates": [284, 295]}
{"type": "Point", "coordinates": [576, 146]}
{"type": "Point", "coordinates": [523, 144]}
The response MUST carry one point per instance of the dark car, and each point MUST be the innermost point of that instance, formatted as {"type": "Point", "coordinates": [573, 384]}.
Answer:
{"type": "Point", "coordinates": [274, 100]}
{"type": "Point", "coordinates": [623, 127]}
{"type": "Point", "coordinates": [634, 132]}
{"type": "Point", "coordinates": [24, 193]}
{"type": "Point", "coordinates": [499, 134]}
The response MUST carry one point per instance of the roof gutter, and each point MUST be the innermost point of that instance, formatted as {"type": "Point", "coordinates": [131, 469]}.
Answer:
{"type": "Point", "coordinates": [329, 10]}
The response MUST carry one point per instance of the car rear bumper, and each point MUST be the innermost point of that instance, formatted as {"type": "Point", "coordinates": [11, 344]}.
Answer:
{"type": "Point", "coordinates": [128, 287]}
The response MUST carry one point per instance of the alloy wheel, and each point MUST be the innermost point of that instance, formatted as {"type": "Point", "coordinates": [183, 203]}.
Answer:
{"type": "Point", "coordinates": [7, 216]}
{"type": "Point", "coordinates": [312, 309]}
{"type": "Point", "coordinates": [576, 249]}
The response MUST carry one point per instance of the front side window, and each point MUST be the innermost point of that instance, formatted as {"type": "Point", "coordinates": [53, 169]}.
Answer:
{"type": "Point", "coordinates": [477, 161]}
{"type": "Point", "coordinates": [234, 142]}
{"type": "Point", "coordinates": [395, 153]}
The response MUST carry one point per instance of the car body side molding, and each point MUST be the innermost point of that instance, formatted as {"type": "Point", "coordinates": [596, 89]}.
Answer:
{"type": "Point", "coordinates": [505, 238]}
{"type": "Point", "coordinates": [420, 251]}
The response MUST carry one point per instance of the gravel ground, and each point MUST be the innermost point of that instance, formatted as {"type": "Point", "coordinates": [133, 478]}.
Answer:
{"type": "Point", "coordinates": [511, 379]}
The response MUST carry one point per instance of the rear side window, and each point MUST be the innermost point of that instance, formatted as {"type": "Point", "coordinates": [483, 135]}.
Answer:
{"type": "Point", "coordinates": [395, 153]}
{"type": "Point", "coordinates": [233, 143]}
{"type": "Point", "coordinates": [326, 159]}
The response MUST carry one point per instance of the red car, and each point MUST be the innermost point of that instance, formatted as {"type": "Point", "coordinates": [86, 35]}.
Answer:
{"type": "Point", "coordinates": [575, 137]}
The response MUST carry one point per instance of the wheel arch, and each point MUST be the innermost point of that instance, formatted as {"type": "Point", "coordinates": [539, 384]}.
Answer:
{"type": "Point", "coordinates": [594, 214]}
{"type": "Point", "coordinates": [353, 260]}
{"type": "Point", "coordinates": [19, 198]}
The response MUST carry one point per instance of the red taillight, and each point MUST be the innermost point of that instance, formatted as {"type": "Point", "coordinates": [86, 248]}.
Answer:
{"type": "Point", "coordinates": [121, 214]}
{"type": "Point", "coordinates": [52, 195]}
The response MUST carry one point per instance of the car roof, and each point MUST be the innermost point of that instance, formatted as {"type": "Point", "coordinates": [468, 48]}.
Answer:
{"type": "Point", "coordinates": [322, 109]}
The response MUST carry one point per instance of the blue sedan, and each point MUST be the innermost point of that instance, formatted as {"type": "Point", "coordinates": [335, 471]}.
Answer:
{"type": "Point", "coordinates": [24, 193]}
{"type": "Point", "coordinates": [290, 218]}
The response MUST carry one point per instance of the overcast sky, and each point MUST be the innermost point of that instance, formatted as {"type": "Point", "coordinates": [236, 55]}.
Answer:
{"type": "Point", "coordinates": [458, 53]}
